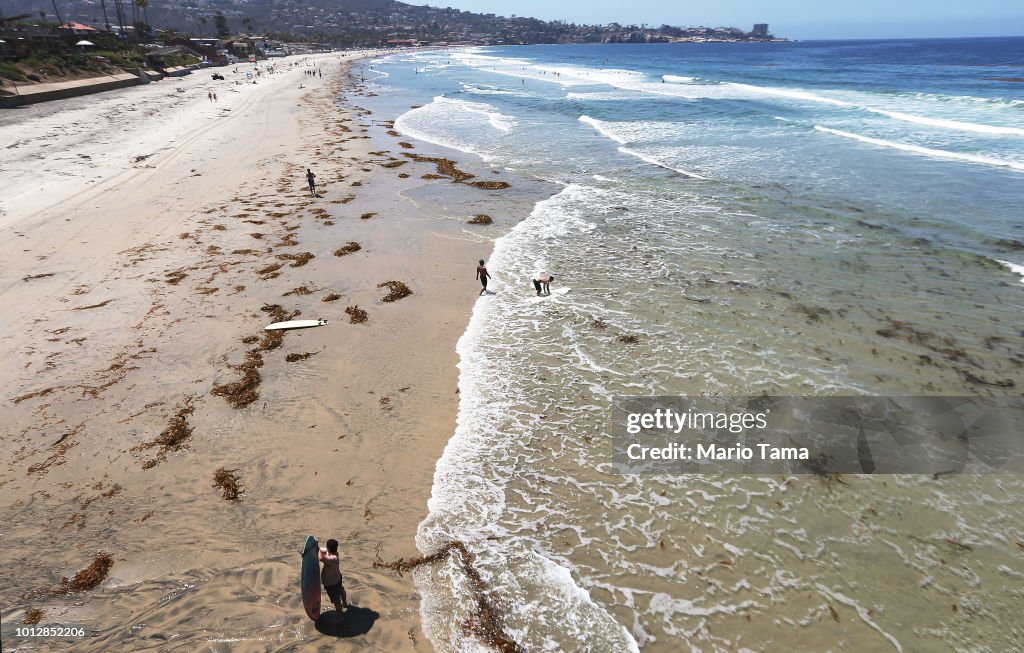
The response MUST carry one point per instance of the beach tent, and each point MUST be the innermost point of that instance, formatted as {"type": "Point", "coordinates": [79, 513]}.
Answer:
{"type": "Point", "coordinates": [83, 43]}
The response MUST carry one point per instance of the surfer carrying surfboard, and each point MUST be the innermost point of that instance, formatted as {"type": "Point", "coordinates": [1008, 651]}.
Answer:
{"type": "Point", "coordinates": [331, 576]}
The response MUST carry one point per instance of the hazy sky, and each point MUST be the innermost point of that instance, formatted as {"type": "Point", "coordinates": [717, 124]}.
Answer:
{"type": "Point", "coordinates": [800, 19]}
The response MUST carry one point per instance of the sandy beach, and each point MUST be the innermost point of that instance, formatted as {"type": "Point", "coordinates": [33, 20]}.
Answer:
{"type": "Point", "coordinates": [148, 237]}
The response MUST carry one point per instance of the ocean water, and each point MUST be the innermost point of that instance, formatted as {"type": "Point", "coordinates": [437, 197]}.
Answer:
{"type": "Point", "coordinates": [816, 218]}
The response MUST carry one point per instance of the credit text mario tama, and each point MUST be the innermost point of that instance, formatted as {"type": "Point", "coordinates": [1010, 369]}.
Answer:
{"type": "Point", "coordinates": [818, 435]}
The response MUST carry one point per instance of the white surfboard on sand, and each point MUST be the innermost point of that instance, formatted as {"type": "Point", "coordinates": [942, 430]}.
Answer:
{"type": "Point", "coordinates": [295, 324]}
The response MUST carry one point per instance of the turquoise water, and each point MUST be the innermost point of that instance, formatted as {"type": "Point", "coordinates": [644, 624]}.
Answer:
{"type": "Point", "coordinates": [805, 218]}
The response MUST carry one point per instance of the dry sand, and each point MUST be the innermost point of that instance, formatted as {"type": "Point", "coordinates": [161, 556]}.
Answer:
{"type": "Point", "coordinates": [143, 233]}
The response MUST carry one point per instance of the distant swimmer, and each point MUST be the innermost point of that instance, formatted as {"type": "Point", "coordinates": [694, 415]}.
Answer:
{"type": "Point", "coordinates": [543, 284]}
{"type": "Point", "coordinates": [331, 576]}
{"type": "Point", "coordinates": [311, 180]}
{"type": "Point", "coordinates": [483, 275]}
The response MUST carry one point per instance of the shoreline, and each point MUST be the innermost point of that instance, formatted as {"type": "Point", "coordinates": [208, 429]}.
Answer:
{"type": "Point", "coordinates": [147, 280]}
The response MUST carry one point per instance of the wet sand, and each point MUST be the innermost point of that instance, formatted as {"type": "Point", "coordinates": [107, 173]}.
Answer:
{"type": "Point", "coordinates": [148, 236]}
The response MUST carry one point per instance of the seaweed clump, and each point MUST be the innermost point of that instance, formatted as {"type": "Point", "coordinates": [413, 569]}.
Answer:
{"type": "Point", "coordinates": [629, 339]}
{"type": "Point", "coordinates": [367, 216]}
{"type": "Point", "coordinates": [397, 288]}
{"type": "Point", "coordinates": [333, 297]}
{"type": "Point", "coordinates": [244, 391]}
{"type": "Point", "coordinates": [270, 271]}
{"type": "Point", "coordinates": [485, 622]}
{"type": "Point", "coordinates": [445, 167]}
{"type": "Point", "coordinates": [356, 315]}
{"type": "Point", "coordinates": [227, 481]}
{"type": "Point", "coordinates": [87, 578]}
{"type": "Point", "coordinates": [172, 438]}
{"type": "Point", "coordinates": [350, 248]}
{"type": "Point", "coordinates": [32, 616]}
{"type": "Point", "coordinates": [490, 185]}
{"type": "Point", "coordinates": [297, 260]}
{"type": "Point", "coordinates": [295, 357]}
{"type": "Point", "coordinates": [481, 219]}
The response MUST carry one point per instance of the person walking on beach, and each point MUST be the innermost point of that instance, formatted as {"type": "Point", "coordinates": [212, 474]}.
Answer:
{"type": "Point", "coordinates": [209, 96]}
{"type": "Point", "coordinates": [483, 275]}
{"type": "Point", "coordinates": [215, 98]}
{"type": "Point", "coordinates": [543, 284]}
{"type": "Point", "coordinates": [311, 180]}
{"type": "Point", "coordinates": [330, 575]}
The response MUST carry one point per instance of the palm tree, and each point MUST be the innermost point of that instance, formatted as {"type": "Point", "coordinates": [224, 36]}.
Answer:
{"type": "Point", "coordinates": [144, 5]}
{"type": "Point", "coordinates": [57, 11]}
{"type": "Point", "coordinates": [106, 21]}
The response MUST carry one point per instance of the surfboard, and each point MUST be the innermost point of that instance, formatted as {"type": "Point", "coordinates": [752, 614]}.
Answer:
{"type": "Point", "coordinates": [556, 291]}
{"type": "Point", "coordinates": [296, 324]}
{"type": "Point", "coordinates": [310, 579]}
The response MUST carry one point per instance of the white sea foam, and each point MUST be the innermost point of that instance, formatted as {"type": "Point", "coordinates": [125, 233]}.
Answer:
{"type": "Point", "coordinates": [950, 124]}
{"type": "Point", "coordinates": [468, 496]}
{"type": "Point", "coordinates": [604, 129]}
{"type": "Point", "coordinates": [456, 124]}
{"type": "Point", "coordinates": [661, 164]}
{"type": "Point", "coordinates": [926, 151]}
{"type": "Point", "coordinates": [791, 93]}
{"type": "Point", "coordinates": [686, 87]}
{"type": "Point", "coordinates": [1016, 269]}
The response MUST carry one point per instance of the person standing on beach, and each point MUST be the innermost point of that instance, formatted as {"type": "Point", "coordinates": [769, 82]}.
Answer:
{"type": "Point", "coordinates": [311, 180]}
{"type": "Point", "coordinates": [209, 96]}
{"type": "Point", "coordinates": [330, 575]}
{"type": "Point", "coordinates": [543, 284]}
{"type": "Point", "coordinates": [483, 275]}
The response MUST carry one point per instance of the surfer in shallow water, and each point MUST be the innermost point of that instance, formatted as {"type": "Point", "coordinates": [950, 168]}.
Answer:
{"type": "Point", "coordinates": [482, 275]}
{"type": "Point", "coordinates": [331, 576]}
{"type": "Point", "coordinates": [543, 284]}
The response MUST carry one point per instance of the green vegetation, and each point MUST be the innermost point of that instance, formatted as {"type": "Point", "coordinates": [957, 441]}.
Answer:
{"type": "Point", "coordinates": [12, 72]}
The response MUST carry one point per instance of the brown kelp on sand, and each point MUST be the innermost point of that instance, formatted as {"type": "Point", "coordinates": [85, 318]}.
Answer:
{"type": "Point", "coordinates": [227, 480]}
{"type": "Point", "coordinates": [397, 288]}
{"type": "Point", "coordinates": [356, 315]}
{"type": "Point", "coordinates": [482, 218]}
{"type": "Point", "coordinates": [350, 248]}
{"type": "Point", "coordinates": [245, 390]}
{"type": "Point", "coordinates": [485, 622]}
{"type": "Point", "coordinates": [172, 438]}
{"type": "Point", "coordinates": [88, 578]}
{"type": "Point", "coordinates": [447, 169]}
{"type": "Point", "coordinates": [296, 357]}
{"type": "Point", "coordinates": [297, 260]}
